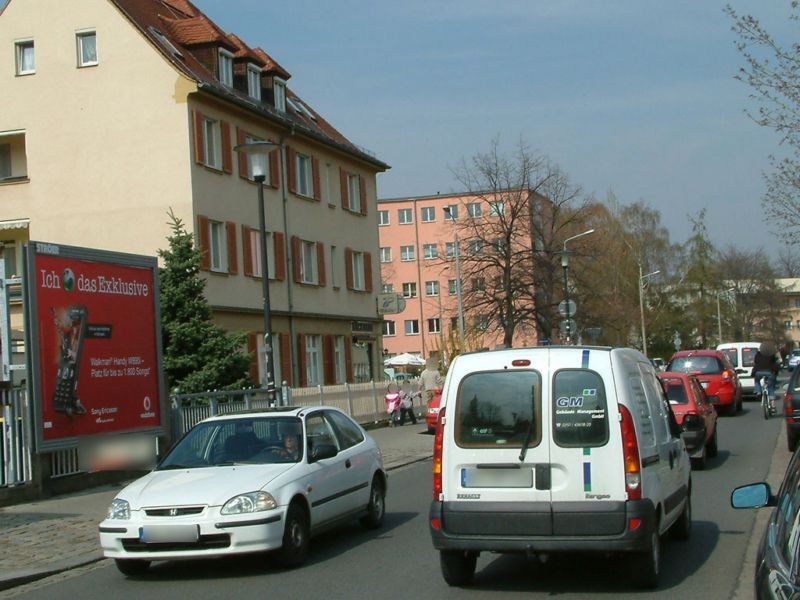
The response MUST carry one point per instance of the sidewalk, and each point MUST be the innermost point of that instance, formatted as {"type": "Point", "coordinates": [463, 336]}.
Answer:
{"type": "Point", "coordinates": [45, 537]}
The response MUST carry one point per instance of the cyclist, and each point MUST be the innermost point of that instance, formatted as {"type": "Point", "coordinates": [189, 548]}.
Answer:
{"type": "Point", "coordinates": [765, 365]}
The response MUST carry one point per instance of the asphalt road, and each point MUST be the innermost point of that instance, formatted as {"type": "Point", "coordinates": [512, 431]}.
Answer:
{"type": "Point", "coordinates": [398, 561]}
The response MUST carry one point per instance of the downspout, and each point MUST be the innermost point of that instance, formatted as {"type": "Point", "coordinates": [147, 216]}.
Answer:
{"type": "Point", "coordinates": [289, 261]}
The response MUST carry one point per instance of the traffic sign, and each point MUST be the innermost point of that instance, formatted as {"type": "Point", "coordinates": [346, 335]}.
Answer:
{"type": "Point", "coordinates": [573, 327]}
{"type": "Point", "coordinates": [391, 303]}
{"type": "Point", "coordinates": [567, 311]}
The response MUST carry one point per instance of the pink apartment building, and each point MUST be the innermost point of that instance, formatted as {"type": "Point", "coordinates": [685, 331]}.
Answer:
{"type": "Point", "coordinates": [417, 252]}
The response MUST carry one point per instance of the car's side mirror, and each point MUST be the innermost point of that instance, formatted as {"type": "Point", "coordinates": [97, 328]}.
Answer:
{"type": "Point", "coordinates": [755, 495]}
{"type": "Point", "coordinates": [322, 451]}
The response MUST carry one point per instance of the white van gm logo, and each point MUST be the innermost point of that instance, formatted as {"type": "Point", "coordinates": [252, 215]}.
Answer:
{"type": "Point", "coordinates": [575, 401]}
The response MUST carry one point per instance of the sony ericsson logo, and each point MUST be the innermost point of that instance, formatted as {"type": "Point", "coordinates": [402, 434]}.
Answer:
{"type": "Point", "coordinates": [575, 401]}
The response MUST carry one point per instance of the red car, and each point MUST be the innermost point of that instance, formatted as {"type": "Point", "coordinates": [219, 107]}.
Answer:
{"type": "Point", "coordinates": [694, 413]}
{"type": "Point", "coordinates": [716, 375]}
{"type": "Point", "coordinates": [432, 412]}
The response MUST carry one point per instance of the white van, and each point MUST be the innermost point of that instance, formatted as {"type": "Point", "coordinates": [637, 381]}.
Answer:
{"type": "Point", "coordinates": [557, 449]}
{"type": "Point", "coordinates": [741, 355]}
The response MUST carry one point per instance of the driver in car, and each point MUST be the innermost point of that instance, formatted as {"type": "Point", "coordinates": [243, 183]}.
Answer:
{"type": "Point", "coordinates": [291, 441]}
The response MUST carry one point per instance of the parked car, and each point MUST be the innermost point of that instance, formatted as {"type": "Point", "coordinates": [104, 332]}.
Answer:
{"type": "Point", "coordinates": [793, 359]}
{"type": "Point", "coordinates": [741, 355]}
{"type": "Point", "coordinates": [779, 551]}
{"type": "Point", "coordinates": [716, 375]}
{"type": "Point", "coordinates": [557, 449]}
{"type": "Point", "coordinates": [658, 363]}
{"type": "Point", "coordinates": [248, 482]}
{"type": "Point", "coordinates": [791, 410]}
{"type": "Point", "coordinates": [694, 413]}
{"type": "Point", "coordinates": [432, 411]}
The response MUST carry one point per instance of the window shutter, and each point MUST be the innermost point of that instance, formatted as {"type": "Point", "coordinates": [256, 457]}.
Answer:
{"type": "Point", "coordinates": [329, 372]}
{"type": "Point", "coordinates": [233, 263]}
{"type": "Point", "coordinates": [343, 187]}
{"type": "Point", "coordinates": [286, 357]}
{"type": "Point", "coordinates": [315, 178]}
{"type": "Point", "coordinates": [348, 267]}
{"type": "Point", "coordinates": [362, 189]}
{"type": "Point", "coordinates": [247, 249]}
{"type": "Point", "coordinates": [203, 242]}
{"type": "Point", "coordinates": [240, 139]}
{"type": "Point", "coordinates": [368, 271]}
{"type": "Point", "coordinates": [274, 169]}
{"type": "Point", "coordinates": [280, 256]}
{"type": "Point", "coordinates": [199, 140]}
{"type": "Point", "coordinates": [296, 258]}
{"type": "Point", "coordinates": [321, 264]}
{"type": "Point", "coordinates": [227, 158]}
{"type": "Point", "coordinates": [252, 348]}
{"type": "Point", "coordinates": [301, 360]}
{"type": "Point", "coordinates": [348, 358]}
{"type": "Point", "coordinates": [291, 170]}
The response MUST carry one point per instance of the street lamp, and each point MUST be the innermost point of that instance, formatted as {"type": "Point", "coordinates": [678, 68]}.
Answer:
{"type": "Point", "coordinates": [719, 314]}
{"type": "Point", "coordinates": [642, 280]}
{"type": "Point", "coordinates": [258, 159]}
{"type": "Point", "coordinates": [449, 213]}
{"type": "Point", "coordinates": [565, 266]}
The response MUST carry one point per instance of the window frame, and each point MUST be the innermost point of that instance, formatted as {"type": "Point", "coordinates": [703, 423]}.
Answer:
{"type": "Point", "coordinates": [253, 81]}
{"type": "Point", "coordinates": [403, 214]}
{"type": "Point", "coordinates": [212, 143]}
{"type": "Point", "coordinates": [218, 246]}
{"type": "Point", "coordinates": [313, 355]}
{"type": "Point", "coordinates": [453, 214]}
{"type": "Point", "coordinates": [408, 253]}
{"type": "Point", "coordinates": [80, 36]}
{"type": "Point", "coordinates": [430, 251]}
{"type": "Point", "coordinates": [359, 277]}
{"type": "Point", "coordinates": [474, 210]}
{"type": "Point", "coordinates": [20, 47]}
{"type": "Point", "coordinates": [410, 289]}
{"type": "Point", "coordinates": [279, 93]}
{"type": "Point", "coordinates": [354, 192]}
{"type": "Point", "coordinates": [434, 325]}
{"type": "Point", "coordinates": [389, 328]}
{"type": "Point", "coordinates": [414, 324]}
{"type": "Point", "coordinates": [225, 67]}
{"type": "Point", "coordinates": [386, 254]}
{"type": "Point", "coordinates": [428, 214]}
{"type": "Point", "coordinates": [496, 208]}
{"type": "Point", "coordinates": [432, 293]}
{"type": "Point", "coordinates": [255, 253]}
{"type": "Point", "coordinates": [308, 262]}
{"type": "Point", "coordinates": [304, 175]}
{"type": "Point", "coordinates": [383, 222]}
{"type": "Point", "coordinates": [5, 159]}
{"type": "Point", "coordinates": [339, 359]}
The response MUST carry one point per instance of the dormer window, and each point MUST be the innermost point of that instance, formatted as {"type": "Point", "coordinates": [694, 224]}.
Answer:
{"type": "Point", "coordinates": [279, 89]}
{"type": "Point", "coordinates": [254, 82]}
{"type": "Point", "coordinates": [225, 67]}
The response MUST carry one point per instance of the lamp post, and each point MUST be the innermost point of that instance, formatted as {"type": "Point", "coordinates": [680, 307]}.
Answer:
{"type": "Point", "coordinates": [642, 280]}
{"type": "Point", "coordinates": [257, 154]}
{"type": "Point", "coordinates": [565, 266]}
{"type": "Point", "coordinates": [719, 314]}
{"type": "Point", "coordinates": [449, 213]}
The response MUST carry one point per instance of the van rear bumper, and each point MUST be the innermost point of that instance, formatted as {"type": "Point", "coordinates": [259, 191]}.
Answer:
{"type": "Point", "coordinates": [567, 527]}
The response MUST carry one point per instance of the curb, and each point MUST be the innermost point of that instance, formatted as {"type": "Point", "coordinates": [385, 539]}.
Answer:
{"type": "Point", "coordinates": [21, 578]}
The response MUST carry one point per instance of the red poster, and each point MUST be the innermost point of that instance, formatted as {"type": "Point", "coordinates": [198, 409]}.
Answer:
{"type": "Point", "coordinates": [98, 349]}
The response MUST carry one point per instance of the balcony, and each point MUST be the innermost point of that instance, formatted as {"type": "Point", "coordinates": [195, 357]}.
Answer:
{"type": "Point", "coordinates": [13, 158]}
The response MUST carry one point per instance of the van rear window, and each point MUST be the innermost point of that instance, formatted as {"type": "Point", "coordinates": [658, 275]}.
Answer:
{"type": "Point", "coordinates": [579, 408]}
{"type": "Point", "coordinates": [499, 410]}
{"type": "Point", "coordinates": [733, 356]}
{"type": "Point", "coordinates": [748, 357]}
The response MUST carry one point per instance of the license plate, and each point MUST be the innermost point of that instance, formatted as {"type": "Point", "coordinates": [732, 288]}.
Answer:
{"type": "Point", "coordinates": [160, 534]}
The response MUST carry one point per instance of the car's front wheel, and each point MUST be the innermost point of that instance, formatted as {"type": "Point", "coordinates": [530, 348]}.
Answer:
{"type": "Point", "coordinates": [294, 551]}
{"type": "Point", "coordinates": [376, 509]}
{"type": "Point", "coordinates": [458, 568]}
{"type": "Point", "coordinates": [132, 567]}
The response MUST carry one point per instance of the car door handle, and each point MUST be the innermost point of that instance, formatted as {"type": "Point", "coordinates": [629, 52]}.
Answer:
{"type": "Point", "coordinates": [348, 464]}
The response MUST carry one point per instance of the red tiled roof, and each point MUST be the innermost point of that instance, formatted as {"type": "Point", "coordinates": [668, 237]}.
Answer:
{"type": "Point", "coordinates": [272, 65]}
{"type": "Point", "coordinates": [244, 51]}
{"type": "Point", "coordinates": [183, 6]}
{"type": "Point", "coordinates": [197, 30]}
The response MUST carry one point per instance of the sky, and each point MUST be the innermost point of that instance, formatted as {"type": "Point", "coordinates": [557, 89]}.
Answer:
{"type": "Point", "coordinates": [634, 97]}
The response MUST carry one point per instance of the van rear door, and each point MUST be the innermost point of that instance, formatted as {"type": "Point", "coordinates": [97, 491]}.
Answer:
{"type": "Point", "coordinates": [588, 476]}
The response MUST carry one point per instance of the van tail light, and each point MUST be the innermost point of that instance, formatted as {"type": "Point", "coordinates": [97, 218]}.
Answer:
{"type": "Point", "coordinates": [438, 443]}
{"type": "Point", "coordinates": [630, 450]}
{"type": "Point", "coordinates": [692, 421]}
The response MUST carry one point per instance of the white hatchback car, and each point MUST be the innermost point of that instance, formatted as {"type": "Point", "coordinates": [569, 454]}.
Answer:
{"type": "Point", "coordinates": [248, 482]}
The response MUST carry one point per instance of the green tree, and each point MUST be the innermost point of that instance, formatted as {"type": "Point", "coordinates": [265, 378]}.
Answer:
{"type": "Point", "coordinates": [198, 355]}
{"type": "Point", "coordinates": [701, 283]}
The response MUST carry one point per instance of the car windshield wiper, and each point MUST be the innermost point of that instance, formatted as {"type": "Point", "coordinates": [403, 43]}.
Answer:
{"type": "Point", "coordinates": [529, 435]}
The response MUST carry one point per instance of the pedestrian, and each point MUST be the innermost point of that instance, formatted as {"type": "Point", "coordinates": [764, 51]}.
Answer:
{"type": "Point", "coordinates": [407, 406]}
{"type": "Point", "coordinates": [430, 379]}
{"type": "Point", "coordinates": [392, 401]}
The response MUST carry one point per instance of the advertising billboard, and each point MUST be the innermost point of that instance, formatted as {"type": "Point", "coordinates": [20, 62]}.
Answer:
{"type": "Point", "coordinates": [94, 343]}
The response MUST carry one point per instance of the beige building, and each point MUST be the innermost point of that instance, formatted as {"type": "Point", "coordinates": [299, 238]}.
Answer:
{"type": "Point", "coordinates": [115, 112]}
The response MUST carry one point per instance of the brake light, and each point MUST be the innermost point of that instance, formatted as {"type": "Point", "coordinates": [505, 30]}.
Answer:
{"type": "Point", "coordinates": [630, 450]}
{"type": "Point", "coordinates": [438, 442]}
{"type": "Point", "coordinates": [787, 407]}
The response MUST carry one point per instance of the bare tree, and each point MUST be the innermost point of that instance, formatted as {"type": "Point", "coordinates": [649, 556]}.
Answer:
{"type": "Point", "coordinates": [788, 262]}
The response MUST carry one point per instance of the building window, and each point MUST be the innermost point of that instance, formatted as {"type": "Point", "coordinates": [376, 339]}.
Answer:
{"type": "Point", "coordinates": [405, 216]}
{"type": "Point", "coordinates": [219, 246]}
{"type": "Point", "coordinates": [451, 212]}
{"type": "Point", "coordinates": [453, 322]}
{"type": "Point", "coordinates": [308, 263]}
{"type": "Point", "coordinates": [334, 268]}
{"type": "Point", "coordinates": [383, 217]}
{"type": "Point", "coordinates": [476, 247]}
{"type": "Point", "coordinates": [452, 289]}
{"type": "Point", "coordinates": [327, 184]}
{"type": "Point", "coordinates": [254, 82]}
{"type": "Point", "coordinates": [474, 210]}
{"type": "Point", "coordinates": [389, 328]}
{"type": "Point", "coordinates": [303, 166]}
{"type": "Point", "coordinates": [481, 322]}
{"type": "Point", "coordinates": [408, 253]}
{"type": "Point", "coordinates": [499, 246]}
{"type": "Point", "coordinates": [358, 271]}
{"type": "Point", "coordinates": [279, 91]}
{"type": "Point", "coordinates": [431, 288]}
{"type": "Point", "coordinates": [213, 146]}
{"type": "Point", "coordinates": [478, 284]}
{"type": "Point", "coordinates": [410, 290]}
{"type": "Point", "coordinates": [450, 249]}
{"type": "Point", "coordinates": [412, 327]}
{"type": "Point", "coordinates": [428, 214]}
{"type": "Point", "coordinates": [387, 288]}
{"type": "Point", "coordinates": [496, 209]}
{"type": "Point", "coordinates": [26, 59]}
{"type": "Point", "coordinates": [225, 67]}
{"type": "Point", "coordinates": [430, 251]}
{"type": "Point", "coordinates": [313, 360]}
{"type": "Point", "coordinates": [353, 192]}
{"type": "Point", "coordinates": [87, 48]}
{"type": "Point", "coordinates": [787, 324]}
{"type": "Point", "coordinates": [255, 253]}
{"type": "Point", "coordinates": [338, 359]}
{"type": "Point", "coordinates": [434, 326]}
{"type": "Point", "coordinates": [386, 255]}
{"type": "Point", "coordinates": [5, 161]}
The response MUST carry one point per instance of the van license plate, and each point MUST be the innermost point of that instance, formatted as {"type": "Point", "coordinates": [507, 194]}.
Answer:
{"type": "Point", "coordinates": [473, 477]}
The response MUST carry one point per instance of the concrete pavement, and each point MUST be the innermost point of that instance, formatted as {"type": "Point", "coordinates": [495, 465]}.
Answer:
{"type": "Point", "coordinates": [45, 537]}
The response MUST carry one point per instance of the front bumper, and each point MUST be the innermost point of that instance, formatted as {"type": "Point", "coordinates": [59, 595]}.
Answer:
{"type": "Point", "coordinates": [592, 527]}
{"type": "Point", "coordinates": [217, 535]}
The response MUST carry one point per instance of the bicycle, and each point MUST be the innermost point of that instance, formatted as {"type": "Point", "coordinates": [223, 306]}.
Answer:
{"type": "Point", "coordinates": [767, 404]}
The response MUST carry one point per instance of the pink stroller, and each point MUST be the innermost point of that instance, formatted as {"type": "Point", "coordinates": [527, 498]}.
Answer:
{"type": "Point", "coordinates": [392, 400]}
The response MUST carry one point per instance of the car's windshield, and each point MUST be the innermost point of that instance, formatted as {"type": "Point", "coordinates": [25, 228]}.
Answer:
{"type": "Point", "coordinates": [246, 440]}
{"type": "Point", "coordinates": [697, 365]}
{"type": "Point", "coordinates": [676, 392]}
